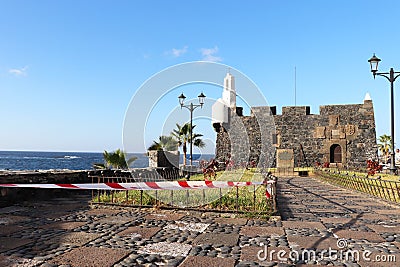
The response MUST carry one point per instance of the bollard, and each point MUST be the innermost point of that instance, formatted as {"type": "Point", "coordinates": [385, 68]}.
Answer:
{"type": "Point", "coordinates": [237, 199]}
{"type": "Point", "coordinates": [187, 198]}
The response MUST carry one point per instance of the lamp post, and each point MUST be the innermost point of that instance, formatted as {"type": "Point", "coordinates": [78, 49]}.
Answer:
{"type": "Point", "coordinates": [191, 108]}
{"type": "Point", "coordinates": [391, 76]}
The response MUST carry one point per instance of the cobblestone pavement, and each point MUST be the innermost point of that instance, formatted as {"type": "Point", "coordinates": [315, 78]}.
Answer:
{"type": "Point", "coordinates": [320, 225]}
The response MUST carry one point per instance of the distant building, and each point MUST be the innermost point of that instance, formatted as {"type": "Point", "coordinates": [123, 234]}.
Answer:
{"type": "Point", "coordinates": [343, 135]}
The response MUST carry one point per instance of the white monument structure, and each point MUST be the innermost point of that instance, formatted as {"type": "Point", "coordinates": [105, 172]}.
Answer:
{"type": "Point", "coordinates": [220, 109]}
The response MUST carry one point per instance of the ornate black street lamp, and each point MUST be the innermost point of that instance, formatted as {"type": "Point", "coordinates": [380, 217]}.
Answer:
{"type": "Point", "coordinates": [391, 76]}
{"type": "Point", "coordinates": [191, 108]}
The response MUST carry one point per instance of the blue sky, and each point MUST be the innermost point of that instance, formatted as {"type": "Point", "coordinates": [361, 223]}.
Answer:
{"type": "Point", "coordinates": [68, 69]}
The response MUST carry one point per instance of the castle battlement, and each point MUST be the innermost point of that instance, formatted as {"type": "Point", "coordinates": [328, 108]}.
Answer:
{"type": "Point", "coordinates": [296, 111]}
{"type": "Point", "coordinates": [262, 110]}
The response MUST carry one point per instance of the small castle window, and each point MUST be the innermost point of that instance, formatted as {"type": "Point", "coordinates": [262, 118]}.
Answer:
{"type": "Point", "coordinates": [274, 139]}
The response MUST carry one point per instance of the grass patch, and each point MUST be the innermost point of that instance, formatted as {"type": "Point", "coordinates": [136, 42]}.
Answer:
{"type": "Point", "coordinates": [249, 200]}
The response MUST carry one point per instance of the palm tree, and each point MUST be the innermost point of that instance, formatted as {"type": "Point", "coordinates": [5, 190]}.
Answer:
{"type": "Point", "coordinates": [117, 159]}
{"type": "Point", "coordinates": [182, 135]}
{"type": "Point", "coordinates": [385, 145]}
{"type": "Point", "coordinates": [165, 143]}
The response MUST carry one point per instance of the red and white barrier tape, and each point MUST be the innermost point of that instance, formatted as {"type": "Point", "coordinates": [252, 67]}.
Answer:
{"type": "Point", "coordinates": [166, 185]}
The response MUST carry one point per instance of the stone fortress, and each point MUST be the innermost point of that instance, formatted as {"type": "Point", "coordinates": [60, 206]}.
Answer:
{"type": "Point", "coordinates": [341, 135]}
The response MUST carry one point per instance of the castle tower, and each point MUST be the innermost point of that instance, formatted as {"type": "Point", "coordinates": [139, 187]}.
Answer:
{"type": "Point", "coordinates": [229, 93]}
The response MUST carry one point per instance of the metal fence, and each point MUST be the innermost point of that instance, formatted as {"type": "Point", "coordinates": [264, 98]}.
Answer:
{"type": "Point", "coordinates": [248, 199]}
{"type": "Point", "coordinates": [388, 190]}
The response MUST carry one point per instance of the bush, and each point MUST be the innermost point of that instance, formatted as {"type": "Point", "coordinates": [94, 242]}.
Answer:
{"type": "Point", "coordinates": [373, 167]}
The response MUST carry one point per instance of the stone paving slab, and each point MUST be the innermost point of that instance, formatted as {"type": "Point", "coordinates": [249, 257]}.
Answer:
{"type": "Point", "coordinates": [297, 214]}
{"type": "Point", "coordinates": [297, 224]}
{"type": "Point", "coordinates": [380, 228]}
{"type": "Point", "coordinates": [64, 225]}
{"type": "Point", "coordinates": [358, 235]}
{"type": "Point", "coordinates": [359, 210]}
{"type": "Point", "coordinates": [102, 212]}
{"type": "Point", "coordinates": [340, 220]}
{"type": "Point", "coordinates": [90, 257]}
{"type": "Point", "coordinates": [75, 238]}
{"type": "Point", "coordinates": [7, 243]}
{"type": "Point", "coordinates": [388, 211]}
{"type": "Point", "coordinates": [253, 231]}
{"type": "Point", "coordinates": [236, 221]}
{"type": "Point", "coordinates": [114, 220]}
{"type": "Point", "coordinates": [9, 229]}
{"type": "Point", "coordinates": [204, 261]}
{"type": "Point", "coordinates": [374, 216]}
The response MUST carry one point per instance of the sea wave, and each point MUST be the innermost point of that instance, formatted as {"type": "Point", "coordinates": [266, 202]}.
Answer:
{"type": "Point", "coordinates": [66, 157]}
{"type": "Point", "coordinates": [71, 157]}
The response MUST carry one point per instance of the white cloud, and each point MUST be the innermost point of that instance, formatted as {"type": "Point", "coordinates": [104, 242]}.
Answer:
{"type": "Point", "coordinates": [209, 54]}
{"type": "Point", "coordinates": [19, 72]}
{"type": "Point", "coordinates": [176, 52]}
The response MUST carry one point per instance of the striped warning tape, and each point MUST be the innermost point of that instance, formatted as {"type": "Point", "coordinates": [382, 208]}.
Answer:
{"type": "Point", "coordinates": [164, 185]}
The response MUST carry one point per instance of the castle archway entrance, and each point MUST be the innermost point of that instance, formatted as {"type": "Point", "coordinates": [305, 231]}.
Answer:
{"type": "Point", "coordinates": [336, 154]}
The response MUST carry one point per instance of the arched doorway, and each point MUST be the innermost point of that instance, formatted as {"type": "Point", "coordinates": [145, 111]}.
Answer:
{"type": "Point", "coordinates": [336, 154]}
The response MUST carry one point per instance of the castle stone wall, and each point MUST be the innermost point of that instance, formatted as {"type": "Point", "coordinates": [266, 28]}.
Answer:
{"type": "Point", "coordinates": [312, 137]}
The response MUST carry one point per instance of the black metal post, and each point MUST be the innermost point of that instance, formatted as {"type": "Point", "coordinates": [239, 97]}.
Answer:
{"type": "Point", "coordinates": [191, 108]}
{"type": "Point", "coordinates": [191, 136]}
{"type": "Point", "coordinates": [254, 198]}
{"type": "Point", "coordinates": [391, 76]}
{"type": "Point", "coordinates": [392, 154]}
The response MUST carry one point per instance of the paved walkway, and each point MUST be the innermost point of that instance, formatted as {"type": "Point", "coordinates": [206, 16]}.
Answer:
{"type": "Point", "coordinates": [322, 216]}
{"type": "Point", "coordinates": [315, 216]}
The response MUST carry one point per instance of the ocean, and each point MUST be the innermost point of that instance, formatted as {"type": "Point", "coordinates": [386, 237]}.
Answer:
{"type": "Point", "coordinates": [30, 160]}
